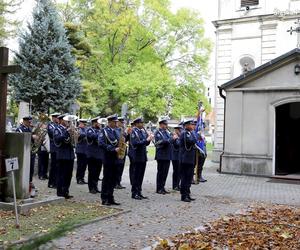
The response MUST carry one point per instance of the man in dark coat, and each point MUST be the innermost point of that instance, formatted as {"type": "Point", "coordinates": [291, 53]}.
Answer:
{"type": "Point", "coordinates": [139, 140]}
{"type": "Point", "coordinates": [81, 148]}
{"type": "Point", "coordinates": [94, 155]}
{"type": "Point", "coordinates": [175, 158]}
{"type": "Point", "coordinates": [187, 159]}
{"type": "Point", "coordinates": [163, 141]}
{"type": "Point", "coordinates": [52, 182]}
{"type": "Point", "coordinates": [65, 157]}
{"type": "Point", "coordinates": [108, 140]}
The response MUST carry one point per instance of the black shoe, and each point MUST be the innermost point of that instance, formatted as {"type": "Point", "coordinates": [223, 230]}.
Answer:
{"type": "Point", "coordinates": [166, 192]}
{"type": "Point", "coordinates": [136, 197]}
{"type": "Point", "coordinates": [112, 202]}
{"type": "Point", "coordinates": [93, 191]}
{"type": "Point", "coordinates": [105, 203]}
{"type": "Point", "coordinates": [98, 191]}
{"type": "Point", "coordinates": [81, 182]}
{"type": "Point", "coordinates": [161, 192]}
{"type": "Point", "coordinates": [67, 197]}
{"type": "Point", "coordinates": [119, 186]}
{"type": "Point", "coordinates": [192, 199]}
{"type": "Point", "coordinates": [143, 197]}
{"type": "Point", "coordinates": [186, 199]}
{"type": "Point", "coordinates": [52, 186]}
{"type": "Point", "coordinates": [176, 189]}
{"type": "Point", "coordinates": [202, 180]}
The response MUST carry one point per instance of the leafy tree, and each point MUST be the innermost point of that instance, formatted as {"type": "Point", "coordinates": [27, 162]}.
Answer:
{"type": "Point", "coordinates": [7, 25]}
{"type": "Point", "coordinates": [49, 77]}
{"type": "Point", "coordinates": [144, 55]}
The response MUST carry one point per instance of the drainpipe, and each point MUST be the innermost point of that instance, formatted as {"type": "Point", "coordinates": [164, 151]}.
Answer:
{"type": "Point", "coordinates": [224, 97]}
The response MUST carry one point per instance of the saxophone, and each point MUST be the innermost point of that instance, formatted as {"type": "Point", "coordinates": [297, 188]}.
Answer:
{"type": "Point", "coordinates": [122, 145]}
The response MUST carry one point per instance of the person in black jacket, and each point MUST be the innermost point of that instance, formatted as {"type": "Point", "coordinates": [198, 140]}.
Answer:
{"type": "Point", "coordinates": [108, 140]}
{"type": "Point", "coordinates": [163, 142]}
{"type": "Point", "coordinates": [65, 157]}
{"type": "Point", "coordinates": [94, 155]}
{"type": "Point", "coordinates": [175, 158]}
{"type": "Point", "coordinates": [139, 140]}
{"type": "Point", "coordinates": [52, 182]}
{"type": "Point", "coordinates": [187, 153]}
{"type": "Point", "coordinates": [80, 150]}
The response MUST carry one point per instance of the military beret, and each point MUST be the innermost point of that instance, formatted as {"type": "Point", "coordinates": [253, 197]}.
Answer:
{"type": "Point", "coordinates": [112, 118]}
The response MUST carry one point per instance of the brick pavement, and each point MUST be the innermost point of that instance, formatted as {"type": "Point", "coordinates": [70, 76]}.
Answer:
{"type": "Point", "coordinates": [165, 215]}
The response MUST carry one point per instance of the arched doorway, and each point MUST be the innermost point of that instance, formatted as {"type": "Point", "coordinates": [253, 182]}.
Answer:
{"type": "Point", "coordinates": [287, 139]}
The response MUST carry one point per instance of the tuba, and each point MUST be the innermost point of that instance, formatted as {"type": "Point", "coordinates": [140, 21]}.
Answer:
{"type": "Point", "coordinates": [122, 145]}
{"type": "Point", "coordinates": [73, 130]}
{"type": "Point", "coordinates": [41, 132]}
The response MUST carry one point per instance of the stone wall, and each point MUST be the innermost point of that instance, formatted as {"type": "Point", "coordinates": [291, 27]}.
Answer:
{"type": "Point", "coordinates": [18, 145]}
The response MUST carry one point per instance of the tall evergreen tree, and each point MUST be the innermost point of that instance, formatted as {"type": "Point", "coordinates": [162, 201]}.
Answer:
{"type": "Point", "coordinates": [49, 77]}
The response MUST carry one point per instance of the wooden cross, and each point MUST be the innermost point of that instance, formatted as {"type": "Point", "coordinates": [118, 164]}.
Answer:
{"type": "Point", "coordinates": [297, 30]}
{"type": "Point", "coordinates": [5, 69]}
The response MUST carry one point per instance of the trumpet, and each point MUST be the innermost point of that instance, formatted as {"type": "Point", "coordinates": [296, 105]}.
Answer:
{"type": "Point", "coordinates": [73, 130]}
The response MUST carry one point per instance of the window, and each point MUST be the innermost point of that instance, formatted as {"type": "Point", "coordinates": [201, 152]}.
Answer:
{"type": "Point", "coordinates": [245, 3]}
{"type": "Point", "coordinates": [247, 64]}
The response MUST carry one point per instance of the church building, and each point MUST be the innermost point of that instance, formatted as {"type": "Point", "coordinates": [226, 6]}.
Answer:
{"type": "Point", "coordinates": [251, 33]}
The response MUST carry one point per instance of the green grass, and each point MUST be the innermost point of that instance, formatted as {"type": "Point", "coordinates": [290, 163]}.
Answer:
{"type": "Point", "coordinates": [50, 220]}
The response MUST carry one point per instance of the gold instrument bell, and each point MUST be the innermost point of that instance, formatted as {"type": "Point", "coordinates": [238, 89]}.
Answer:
{"type": "Point", "coordinates": [73, 130]}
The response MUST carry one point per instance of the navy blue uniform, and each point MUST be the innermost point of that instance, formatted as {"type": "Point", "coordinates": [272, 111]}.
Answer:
{"type": "Point", "coordinates": [94, 158]}
{"type": "Point", "coordinates": [121, 162]}
{"type": "Point", "coordinates": [163, 153]}
{"type": "Point", "coordinates": [187, 153]}
{"type": "Point", "coordinates": [23, 129]}
{"type": "Point", "coordinates": [53, 165]}
{"type": "Point", "coordinates": [176, 164]}
{"type": "Point", "coordinates": [138, 155]}
{"type": "Point", "coordinates": [65, 159]}
{"type": "Point", "coordinates": [81, 150]}
{"type": "Point", "coordinates": [108, 140]}
{"type": "Point", "coordinates": [43, 161]}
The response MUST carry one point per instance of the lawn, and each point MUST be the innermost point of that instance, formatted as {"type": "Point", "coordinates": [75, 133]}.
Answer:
{"type": "Point", "coordinates": [48, 219]}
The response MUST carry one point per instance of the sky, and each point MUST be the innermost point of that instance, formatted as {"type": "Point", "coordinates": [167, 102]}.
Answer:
{"type": "Point", "coordinates": [208, 10]}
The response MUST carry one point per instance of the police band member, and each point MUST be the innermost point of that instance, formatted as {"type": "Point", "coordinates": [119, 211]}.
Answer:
{"type": "Point", "coordinates": [81, 148]}
{"type": "Point", "coordinates": [64, 156]}
{"type": "Point", "coordinates": [108, 140]}
{"type": "Point", "coordinates": [163, 152]}
{"type": "Point", "coordinates": [175, 158]}
{"type": "Point", "coordinates": [187, 159]}
{"type": "Point", "coordinates": [26, 127]}
{"type": "Point", "coordinates": [52, 182]}
{"type": "Point", "coordinates": [139, 140]}
{"type": "Point", "coordinates": [94, 155]}
{"type": "Point", "coordinates": [121, 162]}
{"type": "Point", "coordinates": [129, 131]}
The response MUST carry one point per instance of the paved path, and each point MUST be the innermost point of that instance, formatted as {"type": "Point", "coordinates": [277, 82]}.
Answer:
{"type": "Point", "coordinates": [165, 215]}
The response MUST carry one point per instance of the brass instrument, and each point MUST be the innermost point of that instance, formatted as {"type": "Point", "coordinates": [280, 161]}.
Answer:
{"type": "Point", "coordinates": [72, 129]}
{"type": "Point", "coordinates": [122, 145]}
{"type": "Point", "coordinates": [41, 133]}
